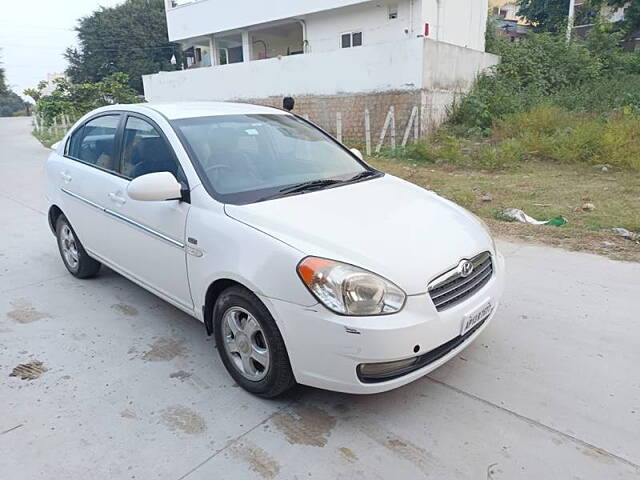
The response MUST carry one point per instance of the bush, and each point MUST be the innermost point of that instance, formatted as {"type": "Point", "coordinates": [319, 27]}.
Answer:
{"type": "Point", "coordinates": [591, 75]}
{"type": "Point", "coordinates": [602, 95]}
{"type": "Point", "coordinates": [10, 104]}
{"type": "Point", "coordinates": [74, 100]}
{"type": "Point", "coordinates": [502, 155]}
{"type": "Point", "coordinates": [442, 148]}
{"type": "Point", "coordinates": [555, 134]}
{"type": "Point", "coordinates": [544, 133]}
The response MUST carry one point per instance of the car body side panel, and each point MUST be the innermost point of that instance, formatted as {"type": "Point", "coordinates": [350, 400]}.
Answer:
{"type": "Point", "coordinates": [230, 249]}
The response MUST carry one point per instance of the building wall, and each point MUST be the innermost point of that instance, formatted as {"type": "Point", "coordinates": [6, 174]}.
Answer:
{"type": "Point", "coordinates": [210, 16]}
{"type": "Point", "coordinates": [449, 67]}
{"type": "Point", "coordinates": [460, 22]}
{"type": "Point", "coordinates": [370, 68]}
{"type": "Point", "coordinates": [417, 72]}
{"type": "Point", "coordinates": [324, 29]}
{"type": "Point", "coordinates": [323, 110]}
{"type": "Point", "coordinates": [449, 72]}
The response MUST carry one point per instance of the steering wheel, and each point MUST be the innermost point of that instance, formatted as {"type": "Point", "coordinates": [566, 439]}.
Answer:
{"type": "Point", "coordinates": [217, 167]}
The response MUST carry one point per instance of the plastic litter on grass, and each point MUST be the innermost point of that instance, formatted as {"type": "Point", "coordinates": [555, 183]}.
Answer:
{"type": "Point", "coordinates": [519, 216]}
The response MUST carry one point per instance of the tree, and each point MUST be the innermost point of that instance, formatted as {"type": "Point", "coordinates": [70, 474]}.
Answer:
{"type": "Point", "coordinates": [3, 83]}
{"type": "Point", "coordinates": [545, 15]}
{"type": "Point", "coordinates": [74, 100]}
{"type": "Point", "coordinates": [631, 23]}
{"type": "Point", "coordinates": [10, 102]}
{"type": "Point", "coordinates": [551, 15]}
{"type": "Point", "coordinates": [129, 38]}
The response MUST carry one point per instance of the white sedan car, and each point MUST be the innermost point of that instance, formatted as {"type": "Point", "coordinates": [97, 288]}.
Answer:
{"type": "Point", "coordinates": [307, 265]}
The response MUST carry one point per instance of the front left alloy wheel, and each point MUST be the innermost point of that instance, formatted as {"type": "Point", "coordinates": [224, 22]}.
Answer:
{"type": "Point", "coordinates": [73, 254]}
{"type": "Point", "coordinates": [250, 344]}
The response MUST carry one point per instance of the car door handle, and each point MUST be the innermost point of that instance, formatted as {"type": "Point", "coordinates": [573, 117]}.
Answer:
{"type": "Point", "coordinates": [115, 197]}
{"type": "Point", "coordinates": [65, 176]}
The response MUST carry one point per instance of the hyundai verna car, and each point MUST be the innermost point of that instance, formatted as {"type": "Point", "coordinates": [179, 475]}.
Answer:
{"type": "Point", "coordinates": [307, 265]}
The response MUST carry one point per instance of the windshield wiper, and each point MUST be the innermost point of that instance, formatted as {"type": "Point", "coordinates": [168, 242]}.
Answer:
{"type": "Point", "coordinates": [309, 186]}
{"type": "Point", "coordinates": [365, 174]}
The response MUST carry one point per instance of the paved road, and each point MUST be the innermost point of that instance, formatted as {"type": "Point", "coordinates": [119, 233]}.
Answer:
{"type": "Point", "coordinates": [134, 389]}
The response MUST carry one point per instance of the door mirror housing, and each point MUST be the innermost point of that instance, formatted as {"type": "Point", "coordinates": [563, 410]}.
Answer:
{"type": "Point", "coordinates": [155, 187]}
{"type": "Point", "coordinates": [357, 153]}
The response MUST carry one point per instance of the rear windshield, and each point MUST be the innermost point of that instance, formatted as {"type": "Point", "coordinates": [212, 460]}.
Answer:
{"type": "Point", "coordinates": [249, 158]}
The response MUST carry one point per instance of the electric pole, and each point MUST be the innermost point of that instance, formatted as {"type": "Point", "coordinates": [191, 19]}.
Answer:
{"type": "Point", "coordinates": [570, 20]}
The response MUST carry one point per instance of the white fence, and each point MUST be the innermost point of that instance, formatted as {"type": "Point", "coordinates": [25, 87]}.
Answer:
{"type": "Point", "coordinates": [54, 130]}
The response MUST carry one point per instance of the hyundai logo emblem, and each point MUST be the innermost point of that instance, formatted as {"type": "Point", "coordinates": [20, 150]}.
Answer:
{"type": "Point", "coordinates": [465, 268]}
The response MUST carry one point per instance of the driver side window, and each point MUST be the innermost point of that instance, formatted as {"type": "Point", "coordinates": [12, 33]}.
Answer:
{"type": "Point", "coordinates": [145, 151]}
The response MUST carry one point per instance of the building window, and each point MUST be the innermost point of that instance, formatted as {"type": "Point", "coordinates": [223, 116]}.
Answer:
{"type": "Point", "coordinates": [393, 12]}
{"type": "Point", "coordinates": [351, 39]}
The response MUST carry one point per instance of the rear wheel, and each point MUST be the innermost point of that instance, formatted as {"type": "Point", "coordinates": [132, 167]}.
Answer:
{"type": "Point", "coordinates": [250, 345]}
{"type": "Point", "coordinates": [73, 254]}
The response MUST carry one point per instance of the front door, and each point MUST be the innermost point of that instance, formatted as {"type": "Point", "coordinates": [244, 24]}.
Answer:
{"type": "Point", "coordinates": [147, 239]}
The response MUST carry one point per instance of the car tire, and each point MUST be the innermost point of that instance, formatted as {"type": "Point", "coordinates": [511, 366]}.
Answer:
{"type": "Point", "coordinates": [254, 335]}
{"type": "Point", "coordinates": [73, 254]}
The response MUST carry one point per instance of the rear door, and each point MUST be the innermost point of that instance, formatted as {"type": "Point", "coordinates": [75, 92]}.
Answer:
{"type": "Point", "coordinates": [88, 172]}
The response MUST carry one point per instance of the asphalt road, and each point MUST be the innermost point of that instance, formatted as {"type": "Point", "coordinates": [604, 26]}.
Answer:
{"type": "Point", "coordinates": [134, 389]}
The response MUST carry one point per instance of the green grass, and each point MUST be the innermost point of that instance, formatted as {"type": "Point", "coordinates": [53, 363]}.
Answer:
{"type": "Point", "coordinates": [555, 134]}
{"type": "Point", "coordinates": [544, 133]}
{"type": "Point", "coordinates": [48, 136]}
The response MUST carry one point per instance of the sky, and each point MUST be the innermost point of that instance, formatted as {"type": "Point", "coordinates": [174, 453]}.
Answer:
{"type": "Point", "coordinates": [35, 33]}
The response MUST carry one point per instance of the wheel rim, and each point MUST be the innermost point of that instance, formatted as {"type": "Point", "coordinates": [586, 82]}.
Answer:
{"type": "Point", "coordinates": [245, 343]}
{"type": "Point", "coordinates": [69, 247]}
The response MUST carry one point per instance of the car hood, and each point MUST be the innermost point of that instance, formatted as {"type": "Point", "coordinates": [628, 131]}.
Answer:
{"type": "Point", "coordinates": [394, 228]}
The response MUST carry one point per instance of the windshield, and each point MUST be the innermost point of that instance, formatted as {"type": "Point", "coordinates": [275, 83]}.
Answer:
{"type": "Point", "coordinates": [249, 158]}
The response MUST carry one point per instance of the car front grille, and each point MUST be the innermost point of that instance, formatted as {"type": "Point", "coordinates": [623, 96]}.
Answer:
{"type": "Point", "coordinates": [452, 288]}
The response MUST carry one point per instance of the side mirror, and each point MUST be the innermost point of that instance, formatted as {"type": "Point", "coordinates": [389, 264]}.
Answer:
{"type": "Point", "coordinates": [55, 146]}
{"type": "Point", "coordinates": [357, 153]}
{"type": "Point", "coordinates": [155, 187]}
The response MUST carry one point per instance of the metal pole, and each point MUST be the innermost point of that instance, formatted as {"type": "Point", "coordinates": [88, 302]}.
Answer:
{"type": "Point", "coordinates": [570, 20]}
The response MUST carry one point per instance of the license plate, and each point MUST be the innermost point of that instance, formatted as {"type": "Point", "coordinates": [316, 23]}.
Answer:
{"type": "Point", "coordinates": [472, 319]}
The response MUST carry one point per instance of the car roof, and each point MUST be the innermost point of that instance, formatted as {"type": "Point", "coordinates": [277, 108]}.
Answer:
{"type": "Point", "coordinates": [178, 110]}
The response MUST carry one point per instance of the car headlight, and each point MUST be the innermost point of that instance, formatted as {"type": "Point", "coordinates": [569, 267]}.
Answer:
{"type": "Point", "coordinates": [350, 290]}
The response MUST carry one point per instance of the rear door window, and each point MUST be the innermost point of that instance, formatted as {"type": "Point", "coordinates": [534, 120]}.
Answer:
{"type": "Point", "coordinates": [95, 142]}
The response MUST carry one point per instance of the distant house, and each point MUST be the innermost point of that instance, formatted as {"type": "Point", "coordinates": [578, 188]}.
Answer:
{"type": "Point", "coordinates": [50, 83]}
{"type": "Point", "coordinates": [338, 58]}
{"type": "Point", "coordinates": [507, 23]}
{"type": "Point", "coordinates": [584, 18]}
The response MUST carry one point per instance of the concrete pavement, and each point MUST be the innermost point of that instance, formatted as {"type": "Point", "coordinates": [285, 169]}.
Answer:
{"type": "Point", "coordinates": [130, 387]}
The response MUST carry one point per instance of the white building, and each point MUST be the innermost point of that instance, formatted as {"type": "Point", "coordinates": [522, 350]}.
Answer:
{"type": "Point", "coordinates": [50, 83]}
{"type": "Point", "coordinates": [336, 57]}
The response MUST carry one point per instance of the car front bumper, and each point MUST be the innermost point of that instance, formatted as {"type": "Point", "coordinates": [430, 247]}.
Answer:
{"type": "Point", "coordinates": [326, 349]}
